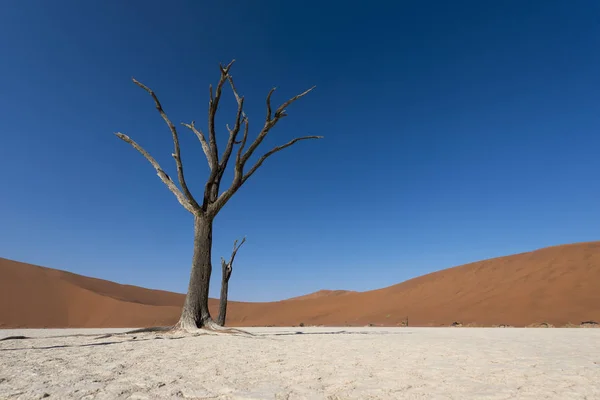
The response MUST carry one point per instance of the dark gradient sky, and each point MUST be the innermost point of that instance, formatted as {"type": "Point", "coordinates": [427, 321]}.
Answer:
{"type": "Point", "coordinates": [454, 131]}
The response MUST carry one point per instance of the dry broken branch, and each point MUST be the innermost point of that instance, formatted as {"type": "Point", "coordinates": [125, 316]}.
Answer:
{"type": "Point", "coordinates": [269, 104]}
{"type": "Point", "coordinates": [236, 247]}
{"type": "Point", "coordinates": [227, 268]}
{"type": "Point", "coordinates": [177, 153]}
{"type": "Point", "coordinates": [228, 265]}
{"type": "Point", "coordinates": [281, 110]}
{"type": "Point", "coordinates": [161, 173]}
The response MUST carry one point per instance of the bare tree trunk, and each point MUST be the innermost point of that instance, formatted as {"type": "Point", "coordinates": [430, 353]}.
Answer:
{"type": "Point", "coordinates": [224, 290]}
{"type": "Point", "coordinates": [227, 268]}
{"type": "Point", "coordinates": [195, 313]}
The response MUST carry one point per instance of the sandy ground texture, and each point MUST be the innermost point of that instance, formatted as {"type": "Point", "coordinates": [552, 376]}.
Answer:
{"type": "Point", "coordinates": [318, 363]}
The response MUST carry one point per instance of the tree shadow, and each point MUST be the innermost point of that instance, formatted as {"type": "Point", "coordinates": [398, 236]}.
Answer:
{"type": "Point", "coordinates": [135, 339]}
{"type": "Point", "coordinates": [62, 346]}
{"type": "Point", "coordinates": [332, 333]}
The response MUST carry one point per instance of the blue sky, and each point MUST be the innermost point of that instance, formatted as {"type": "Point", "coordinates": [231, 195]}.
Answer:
{"type": "Point", "coordinates": [454, 132]}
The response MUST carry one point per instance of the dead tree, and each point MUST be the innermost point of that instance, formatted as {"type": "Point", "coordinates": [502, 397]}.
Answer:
{"type": "Point", "coordinates": [195, 313]}
{"type": "Point", "coordinates": [227, 268]}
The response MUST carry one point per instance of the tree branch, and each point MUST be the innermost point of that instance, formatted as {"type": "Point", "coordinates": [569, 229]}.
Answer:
{"type": "Point", "coordinates": [235, 250]}
{"type": "Point", "coordinates": [269, 104]}
{"type": "Point", "coordinates": [273, 151]}
{"type": "Point", "coordinates": [228, 265]}
{"type": "Point", "coordinates": [243, 142]}
{"type": "Point", "coordinates": [240, 178]}
{"type": "Point", "coordinates": [203, 142]}
{"type": "Point", "coordinates": [218, 201]}
{"type": "Point", "coordinates": [160, 172]}
{"type": "Point", "coordinates": [270, 123]}
{"type": "Point", "coordinates": [213, 199]}
{"type": "Point", "coordinates": [177, 153]}
{"type": "Point", "coordinates": [233, 132]}
{"type": "Point", "coordinates": [213, 106]}
{"type": "Point", "coordinates": [281, 110]}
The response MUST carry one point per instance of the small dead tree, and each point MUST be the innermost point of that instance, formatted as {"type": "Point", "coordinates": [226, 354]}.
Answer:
{"type": "Point", "coordinates": [227, 268]}
{"type": "Point", "coordinates": [195, 313]}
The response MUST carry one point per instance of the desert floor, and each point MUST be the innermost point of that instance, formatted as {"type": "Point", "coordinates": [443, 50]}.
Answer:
{"type": "Point", "coordinates": [319, 363]}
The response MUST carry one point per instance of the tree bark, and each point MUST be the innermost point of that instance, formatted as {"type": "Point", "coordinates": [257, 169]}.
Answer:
{"type": "Point", "coordinates": [224, 290]}
{"type": "Point", "coordinates": [195, 313]}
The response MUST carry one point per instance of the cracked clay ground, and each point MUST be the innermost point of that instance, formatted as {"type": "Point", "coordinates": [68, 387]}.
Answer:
{"type": "Point", "coordinates": [321, 363]}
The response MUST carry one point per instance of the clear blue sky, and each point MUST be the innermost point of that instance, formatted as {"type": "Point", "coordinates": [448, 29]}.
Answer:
{"type": "Point", "coordinates": [454, 132]}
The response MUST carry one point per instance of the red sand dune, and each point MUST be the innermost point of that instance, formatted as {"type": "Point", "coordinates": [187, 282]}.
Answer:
{"type": "Point", "coordinates": [558, 285]}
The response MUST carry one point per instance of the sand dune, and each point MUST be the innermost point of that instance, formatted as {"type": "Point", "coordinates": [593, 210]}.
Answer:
{"type": "Point", "coordinates": [558, 285]}
{"type": "Point", "coordinates": [323, 293]}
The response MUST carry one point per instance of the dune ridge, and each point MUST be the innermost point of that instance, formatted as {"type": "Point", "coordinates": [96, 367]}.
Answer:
{"type": "Point", "coordinates": [557, 285]}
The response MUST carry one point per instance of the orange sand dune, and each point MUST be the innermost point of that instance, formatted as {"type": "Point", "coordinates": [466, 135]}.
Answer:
{"type": "Point", "coordinates": [323, 293]}
{"type": "Point", "coordinates": [558, 285]}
